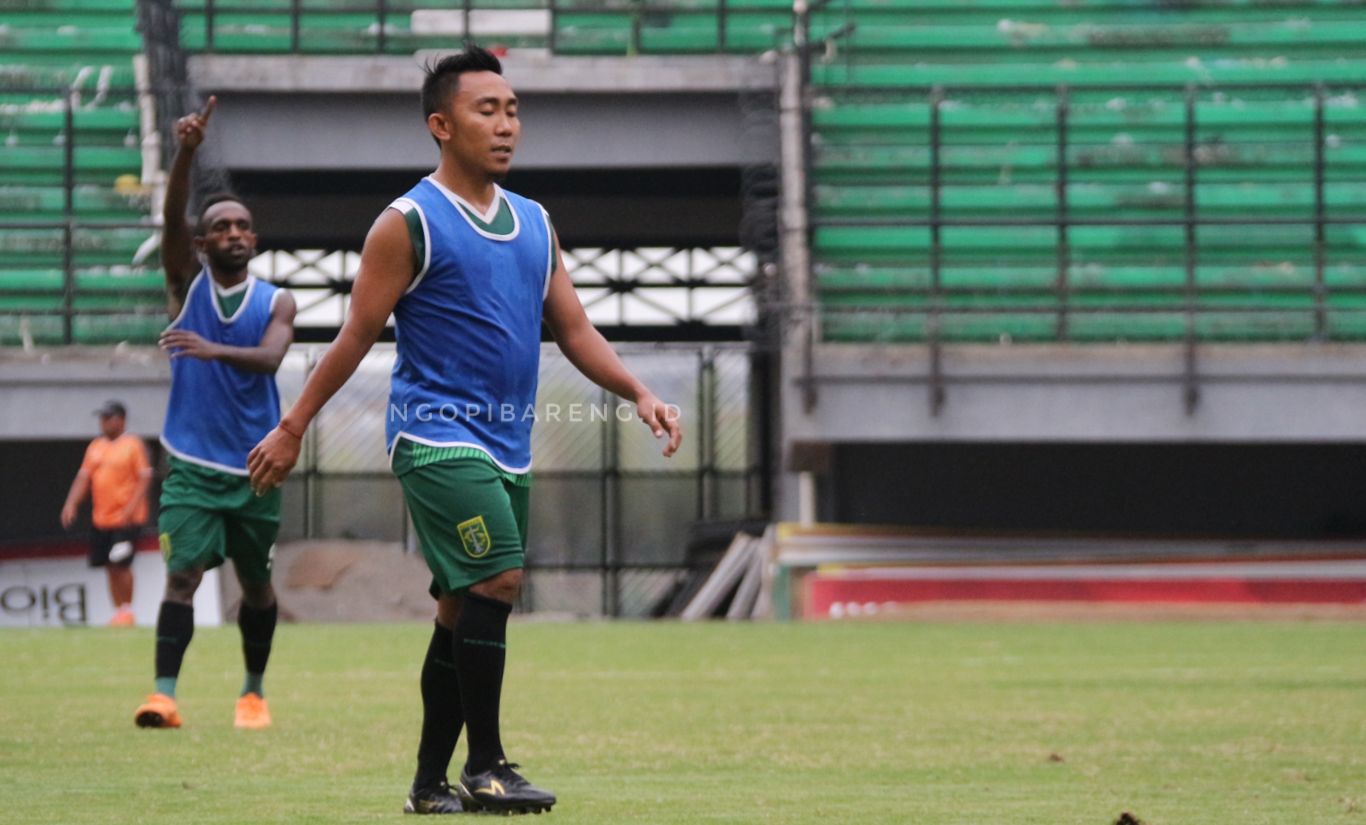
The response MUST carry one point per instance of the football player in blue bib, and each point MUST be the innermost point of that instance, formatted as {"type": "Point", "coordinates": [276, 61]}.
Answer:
{"type": "Point", "coordinates": [470, 273]}
{"type": "Point", "coordinates": [229, 333]}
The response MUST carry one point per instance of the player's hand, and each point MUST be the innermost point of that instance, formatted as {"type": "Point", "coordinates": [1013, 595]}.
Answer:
{"type": "Point", "coordinates": [68, 516]}
{"type": "Point", "coordinates": [662, 419]}
{"type": "Point", "coordinates": [189, 130]}
{"type": "Point", "coordinates": [270, 461]}
{"type": "Point", "coordinates": [182, 343]}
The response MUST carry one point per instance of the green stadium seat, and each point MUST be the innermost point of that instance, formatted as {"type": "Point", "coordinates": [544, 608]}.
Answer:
{"type": "Point", "coordinates": [590, 27]}
{"type": "Point", "coordinates": [89, 42]}
{"type": "Point", "coordinates": [48, 46]}
{"type": "Point", "coordinates": [1233, 71]}
{"type": "Point", "coordinates": [1125, 160]}
{"type": "Point", "coordinates": [85, 9]}
{"type": "Point", "coordinates": [90, 203]}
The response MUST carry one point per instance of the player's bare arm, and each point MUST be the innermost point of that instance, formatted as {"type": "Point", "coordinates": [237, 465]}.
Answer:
{"type": "Point", "coordinates": [264, 357]}
{"type": "Point", "coordinates": [590, 353]}
{"type": "Point", "coordinates": [178, 258]}
{"type": "Point", "coordinates": [80, 488]}
{"type": "Point", "coordinates": [385, 272]}
{"type": "Point", "coordinates": [130, 510]}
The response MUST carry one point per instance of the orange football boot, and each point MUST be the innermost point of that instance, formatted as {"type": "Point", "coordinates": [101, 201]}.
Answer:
{"type": "Point", "coordinates": [252, 712]}
{"type": "Point", "coordinates": [159, 711]}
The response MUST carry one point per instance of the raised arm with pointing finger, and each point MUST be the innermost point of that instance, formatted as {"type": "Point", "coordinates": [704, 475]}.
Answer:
{"type": "Point", "coordinates": [224, 236]}
{"type": "Point", "coordinates": [178, 257]}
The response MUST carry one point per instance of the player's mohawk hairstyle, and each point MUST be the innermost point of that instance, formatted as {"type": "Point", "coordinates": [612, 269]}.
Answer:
{"type": "Point", "coordinates": [443, 76]}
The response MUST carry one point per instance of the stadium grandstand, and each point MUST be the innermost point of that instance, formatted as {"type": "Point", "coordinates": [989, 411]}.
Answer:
{"type": "Point", "coordinates": [72, 197]}
{"type": "Point", "coordinates": [1003, 269]}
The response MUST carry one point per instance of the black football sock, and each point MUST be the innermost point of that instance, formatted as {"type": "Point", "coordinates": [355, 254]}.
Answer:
{"type": "Point", "coordinates": [481, 645]}
{"type": "Point", "coordinates": [258, 630]}
{"type": "Point", "coordinates": [441, 710]}
{"type": "Point", "coordinates": [175, 628]}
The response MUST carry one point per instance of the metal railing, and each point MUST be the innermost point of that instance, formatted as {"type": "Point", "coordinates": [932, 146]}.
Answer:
{"type": "Point", "coordinates": [160, 23]}
{"type": "Point", "coordinates": [932, 302]}
{"type": "Point", "coordinates": [69, 224]}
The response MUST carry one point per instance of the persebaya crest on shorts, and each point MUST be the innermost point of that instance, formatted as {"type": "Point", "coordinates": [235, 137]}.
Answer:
{"type": "Point", "coordinates": [218, 412]}
{"type": "Point", "coordinates": [468, 329]}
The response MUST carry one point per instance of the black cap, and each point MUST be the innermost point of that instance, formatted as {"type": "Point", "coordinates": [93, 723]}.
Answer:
{"type": "Point", "coordinates": [112, 407]}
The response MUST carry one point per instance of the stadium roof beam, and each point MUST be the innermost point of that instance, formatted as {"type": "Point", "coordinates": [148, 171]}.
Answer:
{"type": "Point", "coordinates": [298, 74]}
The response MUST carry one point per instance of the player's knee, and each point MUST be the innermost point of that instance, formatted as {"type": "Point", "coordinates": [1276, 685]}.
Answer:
{"type": "Point", "coordinates": [182, 584]}
{"type": "Point", "coordinates": [448, 610]}
{"type": "Point", "coordinates": [258, 596]}
{"type": "Point", "coordinates": [505, 587]}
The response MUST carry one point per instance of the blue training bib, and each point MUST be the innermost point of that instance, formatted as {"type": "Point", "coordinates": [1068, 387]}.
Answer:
{"type": "Point", "coordinates": [217, 413]}
{"type": "Point", "coordinates": [468, 329]}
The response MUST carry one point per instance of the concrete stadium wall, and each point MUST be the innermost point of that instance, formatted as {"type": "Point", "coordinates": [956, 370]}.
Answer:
{"type": "Point", "coordinates": [1295, 396]}
{"type": "Point", "coordinates": [51, 394]}
{"type": "Point", "coordinates": [644, 151]}
{"type": "Point", "coordinates": [347, 113]}
{"type": "Point", "coordinates": [1020, 441]}
{"type": "Point", "coordinates": [1087, 393]}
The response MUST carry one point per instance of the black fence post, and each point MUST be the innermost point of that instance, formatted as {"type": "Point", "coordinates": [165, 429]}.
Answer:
{"type": "Point", "coordinates": [208, 25]}
{"type": "Point", "coordinates": [311, 450]}
{"type": "Point", "coordinates": [382, 14]}
{"type": "Point", "coordinates": [722, 23]}
{"type": "Point", "coordinates": [637, 13]}
{"type": "Point", "coordinates": [1064, 234]}
{"type": "Point", "coordinates": [68, 216]}
{"type": "Point", "coordinates": [295, 11]}
{"type": "Point", "coordinates": [1321, 331]}
{"type": "Point", "coordinates": [933, 333]}
{"type": "Point", "coordinates": [764, 441]}
{"type": "Point", "coordinates": [802, 36]}
{"type": "Point", "coordinates": [706, 432]}
{"type": "Point", "coordinates": [1192, 387]}
{"type": "Point", "coordinates": [611, 513]}
{"type": "Point", "coordinates": [552, 39]}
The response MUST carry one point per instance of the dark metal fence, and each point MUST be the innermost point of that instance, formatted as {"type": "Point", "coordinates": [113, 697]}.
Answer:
{"type": "Point", "coordinates": [615, 527]}
{"type": "Point", "coordinates": [159, 25]}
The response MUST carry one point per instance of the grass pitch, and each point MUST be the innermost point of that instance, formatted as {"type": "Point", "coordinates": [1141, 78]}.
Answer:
{"type": "Point", "coordinates": [976, 723]}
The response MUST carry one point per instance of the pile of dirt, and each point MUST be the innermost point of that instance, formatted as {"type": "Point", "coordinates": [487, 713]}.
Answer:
{"type": "Point", "coordinates": [344, 581]}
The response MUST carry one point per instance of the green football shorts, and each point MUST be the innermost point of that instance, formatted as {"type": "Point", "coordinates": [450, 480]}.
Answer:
{"type": "Point", "coordinates": [209, 516]}
{"type": "Point", "coordinates": [471, 520]}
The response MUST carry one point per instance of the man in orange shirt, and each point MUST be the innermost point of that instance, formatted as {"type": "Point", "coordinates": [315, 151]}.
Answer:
{"type": "Point", "coordinates": [116, 474]}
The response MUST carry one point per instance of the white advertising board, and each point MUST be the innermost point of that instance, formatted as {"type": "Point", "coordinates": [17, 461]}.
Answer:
{"type": "Point", "coordinates": [66, 592]}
